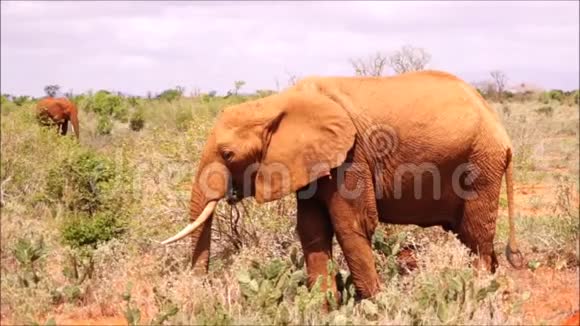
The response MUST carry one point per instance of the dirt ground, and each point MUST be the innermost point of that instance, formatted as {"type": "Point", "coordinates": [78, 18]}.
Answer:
{"type": "Point", "coordinates": [554, 295]}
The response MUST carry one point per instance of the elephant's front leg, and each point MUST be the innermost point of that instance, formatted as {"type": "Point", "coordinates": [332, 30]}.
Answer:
{"type": "Point", "coordinates": [315, 232]}
{"type": "Point", "coordinates": [352, 208]}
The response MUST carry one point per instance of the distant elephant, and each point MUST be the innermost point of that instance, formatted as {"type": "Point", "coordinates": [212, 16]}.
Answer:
{"type": "Point", "coordinates": [419, 148]}
{"type": "Point", "coordinates": [58, 111]}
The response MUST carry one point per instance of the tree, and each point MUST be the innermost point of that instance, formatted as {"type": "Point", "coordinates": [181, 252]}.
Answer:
{"type": "Point", "coordinates": [238, 84]}
{"type": "Point", "coordinates": [499, 79]}
{"type": "Point", "coordinates": [20, 100]}
{"type": "Point", "coordinates": [370, 66]}
{"type": "Point", "coordinates": [408, 58]}
{"type": "Point", "coordinates": [171, 95]}
{"type": "Point", "coordinates": [292, 78]}
{"type": "Point", "coordinates": [51, 90]}
{"type": "Point", "coordinates": [195, 92]}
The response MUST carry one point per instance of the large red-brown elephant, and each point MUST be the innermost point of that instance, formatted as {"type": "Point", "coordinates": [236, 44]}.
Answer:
{"type": "Point", "coordinates": [419, 148]}
{"type": "Point", "coordinates": [58, 111]}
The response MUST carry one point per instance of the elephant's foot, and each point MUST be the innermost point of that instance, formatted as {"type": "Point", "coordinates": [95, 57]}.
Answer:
{"type": "Point", "coordinates": [486, 263]}
{"type": "Point", "coordinates": [359, 257]}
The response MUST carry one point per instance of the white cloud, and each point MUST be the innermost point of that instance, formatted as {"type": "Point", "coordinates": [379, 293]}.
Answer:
{"type": "Point", "coordinates": [140, 46]}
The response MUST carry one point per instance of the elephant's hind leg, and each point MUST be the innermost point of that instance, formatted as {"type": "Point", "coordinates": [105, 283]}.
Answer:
{"type": "Point", "coordinates": [316, 233]}
{"type": "Point", "coordinates": [476, 228]}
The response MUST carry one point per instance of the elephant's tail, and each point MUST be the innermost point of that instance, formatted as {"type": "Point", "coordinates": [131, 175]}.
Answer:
{"type": "Point", "coordinates": [513, 254]}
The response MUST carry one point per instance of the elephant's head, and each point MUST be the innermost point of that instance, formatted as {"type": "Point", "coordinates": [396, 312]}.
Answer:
{"type": "Point", "coordinates": [266, 148]}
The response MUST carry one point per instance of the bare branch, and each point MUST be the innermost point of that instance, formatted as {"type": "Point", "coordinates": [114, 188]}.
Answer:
{"type": "Point", "coordinates": [409, 58]}
{"type": "Point", "coordinates": [371, 66]}
{"type": "Point", "coordinates": [500, 80]}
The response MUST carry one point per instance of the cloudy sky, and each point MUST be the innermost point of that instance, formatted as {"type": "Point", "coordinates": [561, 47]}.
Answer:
{"type": "Point", "coordinates": [137, 47]}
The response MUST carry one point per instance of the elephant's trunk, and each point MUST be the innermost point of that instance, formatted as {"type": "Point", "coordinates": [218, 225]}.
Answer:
{"type": "Point", "coordinates": [209, 187]}
{"type": "Point", "coordinates": [74, 119]}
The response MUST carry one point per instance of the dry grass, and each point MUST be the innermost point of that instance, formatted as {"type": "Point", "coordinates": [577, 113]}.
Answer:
{"type": "Point", "coordinates": [162, 158]}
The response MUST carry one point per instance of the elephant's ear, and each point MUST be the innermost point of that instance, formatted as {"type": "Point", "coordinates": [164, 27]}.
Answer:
{"type": "Point", "coordinates": [309, 136]}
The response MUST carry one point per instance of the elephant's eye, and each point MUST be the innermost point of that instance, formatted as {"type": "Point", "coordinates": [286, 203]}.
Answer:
{"type": "Point", "coordinates": [227, 155]}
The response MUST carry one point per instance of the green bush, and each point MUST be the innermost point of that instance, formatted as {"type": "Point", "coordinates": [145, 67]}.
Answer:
{"type": "Point", "coordinates": [264, 93]}
{"type": "Point", "coordinates": [83, 182]}
{"type": "Point", "coordinates": [388, 247]}
{"type": "Point", "coordinates": [133, 100]}
{"type": "Point", "coordinates": [137, 120]}
{"type": "Point", "coordinates": [93, 191]}
{"type": "Point", "coordinates": [84, 230]}
{"type": "Point", "coordinates": [265, 285]}
{"type": "Point", "coordinates": [171, 95]}
{"type": "Point", "coordinates": [21, 100]}
{"type": "Point", "coordinates": [448, 292]}
{"type": "Point", "coordinates": [206, 98]}
{"type": "Point", "coordinates": [27, 253]}
{"type": "Point", "coordinates": [105, 103]}
{"type": "Point", "coordinates": [104, 125]}
{"type": "Point", "coordinates": [556, 95]}
{"type": "Point", "coordinates": [80, 100]}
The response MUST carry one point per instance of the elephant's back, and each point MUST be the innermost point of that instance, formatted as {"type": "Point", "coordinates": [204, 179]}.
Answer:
{"type": "Point", "coordinates": [57, 109]}
{"type": "Point", "coordinates": [434, 116]}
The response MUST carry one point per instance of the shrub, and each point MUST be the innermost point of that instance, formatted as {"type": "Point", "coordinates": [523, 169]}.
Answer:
{"type": "Point", "coordinates": [268, 285]}
{"type": "Point", "coordinates": [171, 95]}
{"type": "Point", "coordinates": [556, 95]}
{"type": "Point", "coordinates": [105, 103]}
{"type": "Point", "coordinates": [92, 190]}
{"type": "Point", "coordinates": [133, 100]}
{"type": "Point", "coordinates": [83, 182]}
{"type": "Point", "coordinates": [137, 120]}
{"type": "Point", "coordinates": [27, 253]}
{"type": "Point", "coordinates": [545, 110]}
{"type": "Point", "coordinates": [84, 230]}
{"type": "Point", "coordinates": [79, 100]}
{"type": "Point", "coordinates": [506, 110]}
{"type": "Point", "coordinates": [573, 97]}
{"type": "Point", "coordinates": [104, 125]}
{"type": "Point", "coordinates": [448, 293]}
{"type": "Point", "coordinates": [206, 98]}
{"type": "Point", "coordinates": [4, 99]}
{"type": "Point", "coordinates": [388, 247]}
{"type": "Point", "coordinates": [167, 309]}
{"type": "Point", "coordinates": [21, 100]}
{"type": "Point", "coordinates": [266, 92]}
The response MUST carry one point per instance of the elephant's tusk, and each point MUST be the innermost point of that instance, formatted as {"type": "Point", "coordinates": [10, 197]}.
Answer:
{"type": "Point", "coordinates": [205, 214]}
